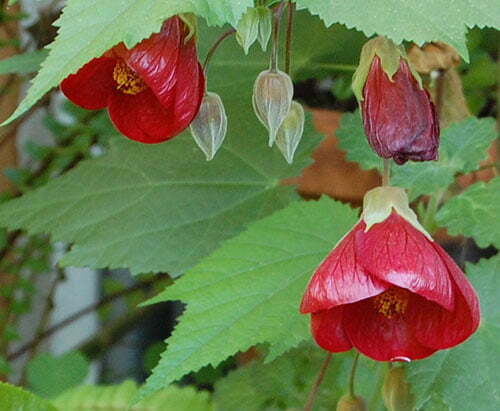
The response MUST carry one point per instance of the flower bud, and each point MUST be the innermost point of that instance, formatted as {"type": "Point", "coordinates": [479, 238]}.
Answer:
{"type": "Point", "coordinates": [396, 391]}
{"type": "Point", "coordinates": [248, 29]}
{"type": "Point", "coordinates": [399, 118]}
{"type": "Point", "coordinates": [349, 403]}
{"type": "Point", "coordinates": [290, 132]}
{"type": "Point", "coordinates": [272, 98]}
{"type": "Point", "coordinates": [210, 125]}
{"type": "Point", "coordinates": [265, 26]}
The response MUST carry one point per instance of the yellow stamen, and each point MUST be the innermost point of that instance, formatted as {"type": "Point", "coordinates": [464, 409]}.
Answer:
{"type": "Point", "coordinates": [127, 80]}
{"type": "Point", "coordinates": [391, 302]}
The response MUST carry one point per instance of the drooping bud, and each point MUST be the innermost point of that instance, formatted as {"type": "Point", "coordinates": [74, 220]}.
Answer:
{"type": "Point", "coordinates": [210, 125]}
{"type": "Point", "coordinates": [399, 117]}
{"type": "Point", "coordinates": [396, 391]}
{"type": "Point", "coordinates": [350, 403]}
{"type": "Point", "coordinates": [272, 98]}
{"type": "Point", "coordinates": [265, 26]}
{"type": "Point", "coordinates": [248, 29]}
{"type": "Point", "coordinates": [290, 132]}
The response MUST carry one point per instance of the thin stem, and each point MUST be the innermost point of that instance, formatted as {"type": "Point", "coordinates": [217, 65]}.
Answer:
{"type": "Point", "coordinates": [289, 33]}
{"type": "Point", "coordinates": [386, 176]}
{"type": "Point", "coordinates": [319, 379]}
{"type": "Point", "coordinates": [214, 48]}
{"type": "Point", "coordinates": [353, 375]}
{"type": "Point", "coordinates": [276, 37]}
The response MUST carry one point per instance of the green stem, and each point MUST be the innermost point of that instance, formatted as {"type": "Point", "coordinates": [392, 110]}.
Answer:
{"type": "Point", "coordinates": [319, 379]}
{"type": "Point", "coordinates": [214, 48]}
{"type": "Point", "coordinates": [386, 175]}
{"type": "Point", "coordinates": [432, 208]}
{"type": "Point", "coordinates": [353, 375]}
{"type": "Point", "coordinates": [289, 33]}
{"type": "Point", "coordinates": [336, 67]}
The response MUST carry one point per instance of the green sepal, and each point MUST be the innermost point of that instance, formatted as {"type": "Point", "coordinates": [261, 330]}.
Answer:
{"type": "Point", "coordinates": [265, 26]}
{"type": "Point", "coordinates": [390, 56]}
{"type": "Point", "coordinates": [248, 29]}
{"type": "Point", "coordinates": [191, 21]}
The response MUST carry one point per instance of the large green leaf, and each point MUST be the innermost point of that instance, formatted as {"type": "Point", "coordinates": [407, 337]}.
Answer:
{"type": "Point", "coordinates": [87, 28]}
{"type": "Point", "coordinates": [463, 146]}
{"type": "Point", "coordinates": [119, 397]}
{"type": "Point", "coordinates": [420, 22]}
{"type": "Point", "coordinates": [285, 383]}
{"type": "Point", "coordinates": [474, 213]}
{"type": "Point", "coordinates": [15, 399]}
{"type": "Point", "coordinates": [466, 377]}
{"type": "Point", "coordinates": [49, 376]}
{"type": "Point", "coordinates": [248, 292]}
{"type": "Point", "coordinates": [163, 207]}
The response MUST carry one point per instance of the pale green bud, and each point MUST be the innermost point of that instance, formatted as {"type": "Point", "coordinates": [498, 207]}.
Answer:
{"type": "Point", "coordinates": [290, 132]}
{"type": "Point", "coordinates": [396, 391]}
{"type": "Point", "coordinates": [210, 125]}
{"type": "Point", "coordinates": [272, 98]}
{"type": "Point", "coordinates": [348, 403]}
{"type": "Point", "coordinates": [248, 29]}
{"type": "Point", "coordinates": [265, 26]}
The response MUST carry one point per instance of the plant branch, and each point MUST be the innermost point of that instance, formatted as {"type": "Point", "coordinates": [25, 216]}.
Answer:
{"type": "Point", "coordinates": [72, 318]}
{"type": "Point", "coordinates": [214, 48]}
{"type": "Point", "coordinates": [319, 379]}
{"type": "Point", "coordinates": [353, 376]}
{"type": "Point", "coordinates": [289, 34]}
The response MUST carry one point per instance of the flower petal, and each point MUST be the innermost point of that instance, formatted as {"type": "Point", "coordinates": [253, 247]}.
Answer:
{"type": "Point", "coordinates": [92, 85]}
{"type": "Point", "coordinates": [438, 328]}
{"type": "Point", "coordinates": [141, 117]}
{"type": "Point", "coordinates": [155, 60]}
{"type": "Point", "coordinates": [379, 337]}
{"type": "Point", "coordinates": [397, 253]}
{"type": "Point", "coordinates": [340, 279]}
{"type": "Point", "coordinates": [326, 328]}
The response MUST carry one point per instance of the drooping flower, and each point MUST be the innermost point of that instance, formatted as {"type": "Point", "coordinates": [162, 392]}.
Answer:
{"type": "Point", "coordinates": [152, 91]}
{"type": "Point", "coordinates": [388, 289]}
{"type": "Point", "coordinates": [399, 117]}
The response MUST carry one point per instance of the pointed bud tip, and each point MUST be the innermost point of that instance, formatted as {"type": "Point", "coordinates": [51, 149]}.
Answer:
{"type": "Point", "coordinates": [350, 403]}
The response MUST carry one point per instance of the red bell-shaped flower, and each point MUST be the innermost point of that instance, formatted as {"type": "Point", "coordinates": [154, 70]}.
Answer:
{"type": "Point", "coordinates": [388, 289]}
{"type": "Point", "coordinates": [152, 91]}
{"type": "Point", "coordinates": [399, 117]}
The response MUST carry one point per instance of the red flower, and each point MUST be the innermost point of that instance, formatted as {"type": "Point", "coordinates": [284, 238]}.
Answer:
{"type": "Point", "coordinates": [398, 115]}
{"type": "Point", "coordinates": [388, 290]}
{"type": "Point", "coordinates": [152, 91]}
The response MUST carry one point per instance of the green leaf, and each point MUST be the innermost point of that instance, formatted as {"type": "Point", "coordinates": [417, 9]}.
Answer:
{"type": "Point", "coordinates": [468, 374]}
{"type": "Point", "coordinates": [248, 292]}
{"type": "Point", "coordinates": [463, 146]}
{"type": "Point", "coordinates": [119, 397]}
{"type": "Point", "coordinates": [16, 399]}
{"type": "Point", "coordinates": [163, 207]}
{"type": "Point", "coordinates": [474, 213]}
{"type": "Point", "coordinates": [23, 63]}
{"type": "Point", "coordinates": [285, 383]}
{"type": "Point", "coordinates": [48, 375]}
{"type": "Point", "coordinates": [88, 28]}
{"type": "Point", "coordinates": [420, 22]}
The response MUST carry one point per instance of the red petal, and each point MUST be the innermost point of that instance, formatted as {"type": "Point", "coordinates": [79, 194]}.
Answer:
{"type": "Point", "coordinates": [155, 60]}
{"type": "Point", "coordinates": [327, 330]}
{"type": "Point", "coordinates": [399, 254]}
{"type": "Point", "coordinates": [92, 85]}
{"type": "Point", "coordinates": [340, 279]}
{"type": "Point", "coordinates": [438, 328]}
{"type": "Point", "coordinates": [379, 337]}
{"type": "Point", "coordinates": [141, 117]}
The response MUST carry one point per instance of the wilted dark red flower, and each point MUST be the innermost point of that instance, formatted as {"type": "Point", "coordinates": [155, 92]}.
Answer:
{"type": "Point", "coordinates": [388, 290]}
{"type": "Point", "coordinates": [399, 117]}
{"type": "Point", "coordinates": [152, 91]}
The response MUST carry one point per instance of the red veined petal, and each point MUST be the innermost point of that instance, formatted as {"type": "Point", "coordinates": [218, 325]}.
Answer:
{"type": "Point", "coordinates": [141, 117]}
{"type": "Point", "coordinates": [399, 254]}
{"type": "Point", "coordinates": [379, 337]}
{"type": "Point", "coordinates": [156, 59]}
{"type": "Point", "coordinates": [437, 328]}
{"type": "Point", "coordinates": [328, 332]}
{"type": "Point", "coordinates": [340, 279]}
{"type": "Point", "coordinates": [92, 85]}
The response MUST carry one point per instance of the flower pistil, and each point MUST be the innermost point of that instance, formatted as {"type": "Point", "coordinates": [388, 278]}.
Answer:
{"type": "Point", "coordinates": [392, 302]}
{"type": "Point", "coordinates": [127, 80]}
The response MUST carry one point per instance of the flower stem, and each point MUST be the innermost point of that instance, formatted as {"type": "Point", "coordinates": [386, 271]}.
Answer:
{"type": "Point", "coordinates": [276, 37]}
{"type": "Point", "coordinates": [319, 379]}
{"type": "Point", "coordinates": [386, 175]}
{"type": "Point", "coordinates": [289, 32]}
{"type": "Point", "coordinates": [353, 375]}
{"type": "Point", "coordinates": [214, 48]}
